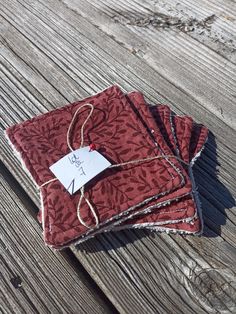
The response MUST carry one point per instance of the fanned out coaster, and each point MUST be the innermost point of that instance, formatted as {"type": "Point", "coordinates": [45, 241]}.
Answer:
{"type": "Point", "coordinates": [120, 136]}
{"type": "Point", "coordinates": [150, 153]}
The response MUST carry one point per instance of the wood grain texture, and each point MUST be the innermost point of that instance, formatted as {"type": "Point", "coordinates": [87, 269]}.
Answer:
{"type": "Point", "coordinates": [187, 63]}
{"type": "Point", "coordinates": [211, 23]}
{"type": "Point", "coordinates": [50, 57]}
{"type": "Point", "coordinates": [33, 278]}
{"type": "Point", "coordinates": [190, 65]}
{"type": "Point", "coordinates": [170, 268]}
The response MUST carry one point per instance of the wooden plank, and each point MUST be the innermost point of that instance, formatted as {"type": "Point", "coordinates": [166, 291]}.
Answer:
{"type": "Point", "coordinates": [33, 278]}
{"type": "Point", "coordinates": [161, 273]}
{"type": "Point", "coordinates": [173, 261]}
{"type": "Point", "coordinates": [209, 22]}
{"type": "Point", "coordinates": [182, 67]}
{"type": "Point", "coordinates": [204, 74]}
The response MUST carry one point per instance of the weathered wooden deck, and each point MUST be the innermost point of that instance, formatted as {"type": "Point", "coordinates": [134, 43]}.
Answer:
{"type": "Point", "coordinates": [180, 53]}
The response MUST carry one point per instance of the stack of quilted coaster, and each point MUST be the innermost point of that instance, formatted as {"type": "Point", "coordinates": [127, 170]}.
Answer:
{"type": "Point", "coordinates": [149, 183]}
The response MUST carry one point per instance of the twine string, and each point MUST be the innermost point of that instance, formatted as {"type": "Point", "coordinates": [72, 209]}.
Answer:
{"type": "Point", "coordinates": [82, 195]}
{"type": "Point", "coordinates": [82, 127]}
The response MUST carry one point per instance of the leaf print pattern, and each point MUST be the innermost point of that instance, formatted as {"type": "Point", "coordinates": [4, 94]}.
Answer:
{"type": "Point", "coordinates": [114, 125]}
{"type": "Point", "coordinates": [41, 141]}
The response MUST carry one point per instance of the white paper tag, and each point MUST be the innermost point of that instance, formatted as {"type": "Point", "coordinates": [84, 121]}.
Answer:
{"type": "Point", "coordinates": [78, 167]}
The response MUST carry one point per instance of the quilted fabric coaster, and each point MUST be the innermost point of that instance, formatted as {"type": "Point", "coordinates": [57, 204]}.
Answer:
{"type": "Point", "coordinates": [120, 135]}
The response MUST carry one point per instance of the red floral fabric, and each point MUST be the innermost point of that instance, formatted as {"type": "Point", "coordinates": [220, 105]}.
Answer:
{"type": "Point", "coordinates": [120, 136]}
{"type": "Point", "coordinates": [123, 129]}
